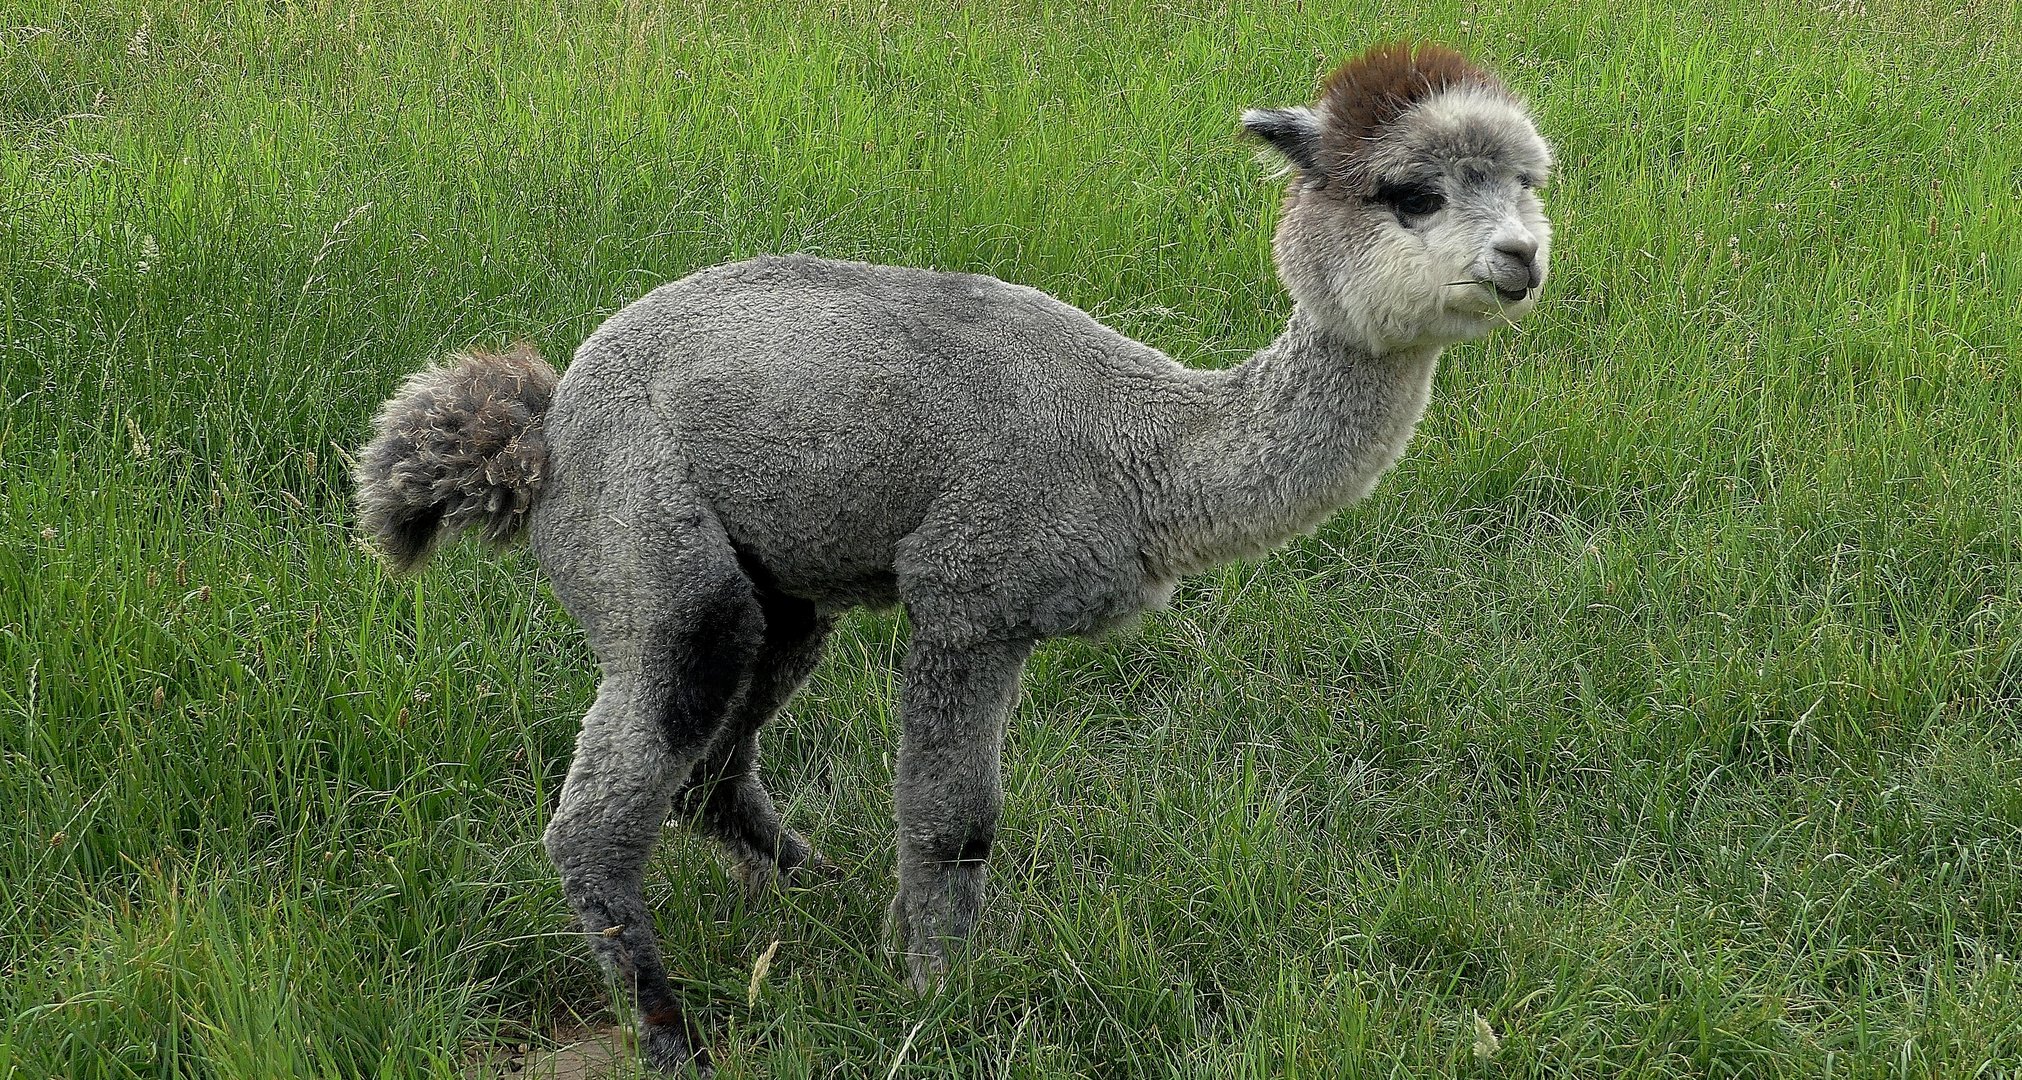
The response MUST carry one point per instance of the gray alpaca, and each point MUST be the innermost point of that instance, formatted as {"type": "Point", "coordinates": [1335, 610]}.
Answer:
{"type": "Point", "coordinates": [743, 454]}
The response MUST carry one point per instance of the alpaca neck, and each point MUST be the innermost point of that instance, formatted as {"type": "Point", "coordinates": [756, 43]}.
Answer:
{"type": "Point", "coordinates": [1304, 427]}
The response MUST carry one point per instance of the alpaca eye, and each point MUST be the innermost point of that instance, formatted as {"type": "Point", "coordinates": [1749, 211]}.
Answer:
{"type": "Point", "coordinates": [1412, 200]}
{"type": "Point", "coordinates": [1527, 181]}
{"type": "Point", "coordinates": [1421, 203]}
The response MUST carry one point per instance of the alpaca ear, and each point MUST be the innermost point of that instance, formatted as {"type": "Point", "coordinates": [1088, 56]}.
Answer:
{"type": "Point", "coordinates": [1293, 132]}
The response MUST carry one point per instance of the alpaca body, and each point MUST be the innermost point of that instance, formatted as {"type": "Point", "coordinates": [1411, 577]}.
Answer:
{"type": "Point", "coordinates": [740, 455]}
{"type": "Point", "coordinates": [1052, 475]}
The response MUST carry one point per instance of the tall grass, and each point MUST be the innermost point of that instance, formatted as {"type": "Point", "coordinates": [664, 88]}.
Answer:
{"type": "Point", "coordinates": [1659, 711]}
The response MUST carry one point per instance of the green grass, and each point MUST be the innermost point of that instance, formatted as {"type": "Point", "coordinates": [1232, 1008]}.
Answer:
{"type": "Point", "coordinates": [1660, 709]}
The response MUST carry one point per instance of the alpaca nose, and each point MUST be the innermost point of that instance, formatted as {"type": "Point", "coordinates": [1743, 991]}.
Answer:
{"type": "Point", "coordinates": [1515, 265]}
{"type": "Point", "coordinates": [1523, 252]}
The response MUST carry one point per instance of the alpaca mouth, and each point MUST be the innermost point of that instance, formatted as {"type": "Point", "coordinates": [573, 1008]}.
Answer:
{"type": "Point", "coordinates": [1507, 296]}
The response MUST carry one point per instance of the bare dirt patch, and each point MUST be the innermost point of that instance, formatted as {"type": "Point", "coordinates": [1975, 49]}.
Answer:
{"type": "Point", "coordinates": [585, 1055]}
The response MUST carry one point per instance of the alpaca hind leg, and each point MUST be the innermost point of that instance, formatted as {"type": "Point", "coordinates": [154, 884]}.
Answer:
{"type": "Point", "coordinates": [671, 676]}
{"type": "Point", "coordinates": [949, 792]}
{"type": "Point", "coordinates": [725, 798]}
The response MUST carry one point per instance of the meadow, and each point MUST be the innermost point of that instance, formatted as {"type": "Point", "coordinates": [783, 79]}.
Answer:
{"type": "Point", "coordinates": [1657, 716]}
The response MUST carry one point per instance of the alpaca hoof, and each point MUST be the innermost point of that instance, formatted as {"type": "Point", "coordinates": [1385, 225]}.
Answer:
{"type": "Point", "coordinates": [926, 973]}
{"type": "Point", "coordinates": [814, 870]}
{"type": "Point", "coordinates": [670, 1050]}
{"type": "Point", "coordinates": [762, 877]}
{"type": "Point", "coordinates": [926, 963]}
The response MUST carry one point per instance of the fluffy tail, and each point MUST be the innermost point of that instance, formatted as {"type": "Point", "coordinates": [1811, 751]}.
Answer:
{"type": "Point", "coordinates": [461, 445]}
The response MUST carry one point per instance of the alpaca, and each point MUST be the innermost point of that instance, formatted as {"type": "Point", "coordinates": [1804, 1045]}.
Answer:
{"type": "Point", "coordinates": [739, 456]}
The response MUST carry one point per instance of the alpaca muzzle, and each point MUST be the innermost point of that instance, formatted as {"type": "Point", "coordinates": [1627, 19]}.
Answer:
{"type": "Point", "coordinates": [1513, 268]}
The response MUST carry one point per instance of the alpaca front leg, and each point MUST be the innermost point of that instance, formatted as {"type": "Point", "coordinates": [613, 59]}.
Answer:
{"type": "Point", "coordinates": [949, 791]}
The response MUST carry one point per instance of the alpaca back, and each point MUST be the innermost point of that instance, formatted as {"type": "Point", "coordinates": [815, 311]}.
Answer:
{"type": "Point", "coordinates": [826, 410]}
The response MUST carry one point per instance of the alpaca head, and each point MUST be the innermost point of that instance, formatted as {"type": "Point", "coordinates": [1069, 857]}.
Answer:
{"type": "Point", "coordinates": [1412, 217]}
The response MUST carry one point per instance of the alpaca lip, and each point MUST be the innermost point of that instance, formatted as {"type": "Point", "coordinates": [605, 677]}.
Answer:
{"type": "Point", "coordinates": [1507, 296]}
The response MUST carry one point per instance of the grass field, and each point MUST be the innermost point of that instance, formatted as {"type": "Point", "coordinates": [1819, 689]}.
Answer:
{"type": "Point", "coordinates": [1660, 712]}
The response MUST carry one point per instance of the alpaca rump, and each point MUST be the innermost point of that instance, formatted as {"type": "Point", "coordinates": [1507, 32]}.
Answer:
{"type": "Point", "coordinates": [460, 445]}
{"type": "Point", "coordinates": [739, 456]}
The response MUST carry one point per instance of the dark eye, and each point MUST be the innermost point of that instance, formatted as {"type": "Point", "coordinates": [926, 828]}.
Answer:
{"type": "Point", "coordinates": [1421, 203]}
{"type": "Point", "coordinates": [1526, 181]}
{"type": "Point", "coordinates": [1411, 200]}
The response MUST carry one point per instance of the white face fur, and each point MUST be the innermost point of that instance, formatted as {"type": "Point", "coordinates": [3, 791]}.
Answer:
{"type": "Point", "coordinates": [1443, 240]}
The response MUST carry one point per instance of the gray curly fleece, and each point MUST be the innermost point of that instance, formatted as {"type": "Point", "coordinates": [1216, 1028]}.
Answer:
{"type": "Point", "coordinates": [741, 455]}
{"type": "Point", "coordinates": [459, 446]}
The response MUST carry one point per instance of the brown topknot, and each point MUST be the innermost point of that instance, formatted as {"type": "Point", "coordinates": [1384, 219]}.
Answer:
{"type": "Point", "coordinates": [1370, 91]}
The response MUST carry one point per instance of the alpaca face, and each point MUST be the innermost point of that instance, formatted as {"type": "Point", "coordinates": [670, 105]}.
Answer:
{"type": "Point", "coordinates": [1413, 218]}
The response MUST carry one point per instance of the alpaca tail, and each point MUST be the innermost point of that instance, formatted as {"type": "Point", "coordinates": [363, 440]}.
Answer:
{"type": "Point", "coordinates": [460, 445]}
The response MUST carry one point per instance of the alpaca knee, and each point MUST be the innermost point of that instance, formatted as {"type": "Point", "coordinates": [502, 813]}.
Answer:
{"type": "Point", "coordinates": [949, 823]}
{"type": "Point", "coordinates": [976, 849]}
{"type": "Point", "coordinates": [571, 847]}
{"type": "Point", "coordinates": [951, 840]}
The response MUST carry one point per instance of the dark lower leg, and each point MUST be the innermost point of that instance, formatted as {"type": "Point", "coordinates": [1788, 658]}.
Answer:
{"type": "Point", "coordinates": [733, 808]}
{"type": "Point", "coordinates": [725, 799]}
